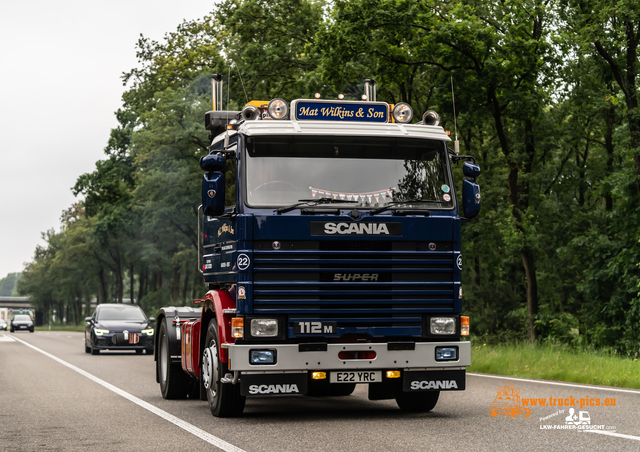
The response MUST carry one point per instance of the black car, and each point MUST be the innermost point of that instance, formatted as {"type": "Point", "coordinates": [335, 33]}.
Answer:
{"type": "Point", "coordinates": [118, 327]}
{"type": "Point", "coordinates": [3, 325]}
{"type": "Point", "coordinates": [21, 322]}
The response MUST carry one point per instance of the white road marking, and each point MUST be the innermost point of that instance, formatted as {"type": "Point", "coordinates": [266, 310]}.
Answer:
{"type": "Point", "coordinates": [600, 388]}
{"type": "Point", "coordinates": [619, 435]}
{"type": "Point", "coordinates": [205, 436]}
{"type": "Point", "coordinates": [5, 338]}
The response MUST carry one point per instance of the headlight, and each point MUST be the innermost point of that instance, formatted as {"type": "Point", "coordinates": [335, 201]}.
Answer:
{"type": "Point", "coordinates": [148, 331]}
{"type": "Point", "coordinates": [264, 327]}
{"type": "Point", "coordinates": [402, 113]}
{"type": "Point", "coordinates": [278, 109]}
{"type": "Point", "coordinates": [443, 325]}
{"type": "Point", "coordinates": [100, 332]}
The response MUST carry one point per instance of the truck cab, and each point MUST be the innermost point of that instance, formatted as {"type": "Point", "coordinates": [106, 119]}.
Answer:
{"type": "Point", "coordinates": [336, 259]}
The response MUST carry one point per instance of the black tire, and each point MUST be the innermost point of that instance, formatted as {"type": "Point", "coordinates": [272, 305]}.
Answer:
{"type": "Point", "coordinates": [224, 398]}
{"type": "Point", "coordinates": [342, 389]}
{"type": "Point", "coordinates": [417, 402]}
{"type": "Point", "coordinates": [11, 330]}
{"type": "Point", "coordinates": [95, 351]}
{"type": "Point", "coordinates": [87, 349]}
{"type": "Point", "coordinates": [32, 330]}
{"type": "Point", "coordinates": [174, 383]}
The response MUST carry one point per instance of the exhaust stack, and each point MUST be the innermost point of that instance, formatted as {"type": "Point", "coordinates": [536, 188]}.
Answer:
{"type": "Point", "coordinates": [216, 90]}
{"type": "Point", "coordinates": [370, 89]}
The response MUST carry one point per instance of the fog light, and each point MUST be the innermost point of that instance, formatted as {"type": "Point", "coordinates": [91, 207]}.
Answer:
{"type": "Point", "coordinates": [319, 375]}
{"type": "Point", "coordinates": [393, 374]}
{"type": "Point", "coordinates": [443, 325]}
{"type": "Point", "coordinates": [278, 109]}
{"type": "Point", "coordinates": [402, 113]}
{"type": "Point", "coordinates": [262, 356]}
{"type": "Point", "coordinates": [446, 353]}
{"type": "Point", "coordinates": [264, 327]}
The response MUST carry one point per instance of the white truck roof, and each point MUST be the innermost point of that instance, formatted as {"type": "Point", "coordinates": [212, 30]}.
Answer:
{"type": "Point", "coordinates": [335, 128]}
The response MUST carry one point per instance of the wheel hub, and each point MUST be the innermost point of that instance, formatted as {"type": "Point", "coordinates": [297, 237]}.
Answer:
{"type": "Point", "coordinates": [210, 368]}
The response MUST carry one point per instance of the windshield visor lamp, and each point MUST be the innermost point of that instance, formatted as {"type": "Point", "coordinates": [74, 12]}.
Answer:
{"type": "Point", "coordinates": [402, 113]}
{"type": "Point", "coordinates": [262, 356]}
{"type": "Point", "coordinates": [446, 353]}
{"type": "Point", "coordinates": [278, 109]}
{"type": "Point", "coordinates": [264, 327]}
{"type": "Point", "coordinates": [443, 325]}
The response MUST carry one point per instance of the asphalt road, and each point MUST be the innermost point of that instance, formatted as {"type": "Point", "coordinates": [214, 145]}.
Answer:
{"type": "Point", "coordinates": [53, 396]}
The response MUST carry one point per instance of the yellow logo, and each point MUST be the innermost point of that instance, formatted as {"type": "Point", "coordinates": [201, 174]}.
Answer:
{"type": "Point", "coordinates": [225, 228]}
{"type": "Point", "coordinates": [507, 402]}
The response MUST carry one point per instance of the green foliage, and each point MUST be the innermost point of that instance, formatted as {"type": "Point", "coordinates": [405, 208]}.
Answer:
{"type": "Point", "coordinates": [8, 285]}
{"type": "Point", "coordinates": [546, 101]}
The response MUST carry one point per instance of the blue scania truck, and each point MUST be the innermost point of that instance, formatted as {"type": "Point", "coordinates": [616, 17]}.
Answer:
{"type": "Point", "coordinates": [330, 244]}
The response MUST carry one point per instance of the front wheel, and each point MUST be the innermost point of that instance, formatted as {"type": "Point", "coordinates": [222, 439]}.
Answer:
{"type": "Point", "coordinates": [224, 398]}
{"type": "Point", "coordinates": [418, 402]}
{"type": "Point", "coordinates": [174, 383]}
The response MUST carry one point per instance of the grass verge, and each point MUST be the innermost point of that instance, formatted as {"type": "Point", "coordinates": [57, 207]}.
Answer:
{"type": "Point", "coordinates": [76, 328]}
{"type": "Point", "coordinates": [552, 362]}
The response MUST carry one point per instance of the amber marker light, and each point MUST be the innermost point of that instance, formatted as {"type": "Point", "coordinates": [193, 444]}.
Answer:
{"type": "Point", "coordinates": [319, 375]}
{"type": "Point", "coordinates": [464, 325]}
{"type": "Point", "coordinates": [237, 327]}
{"type": "Point", "coordinates": [393, 374]}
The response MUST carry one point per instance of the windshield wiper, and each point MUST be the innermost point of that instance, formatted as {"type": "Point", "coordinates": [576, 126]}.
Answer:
{"type": "Point", "coordinates": [392, 204]}
{"type": "Point", "coordinates": [312, 202]}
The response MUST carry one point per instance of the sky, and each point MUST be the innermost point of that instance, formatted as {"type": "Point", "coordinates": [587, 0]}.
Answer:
{"type": "Point", "coordinates": [60, 69]}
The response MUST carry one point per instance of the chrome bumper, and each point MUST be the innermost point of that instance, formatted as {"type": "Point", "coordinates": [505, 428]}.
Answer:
{"type": "Point", "coordinates": [288, 357]}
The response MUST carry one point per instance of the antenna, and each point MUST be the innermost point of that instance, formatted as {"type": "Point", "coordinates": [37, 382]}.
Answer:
{"type": "Point", "coordinates": [243, 89]}
{"type": "Point", "coordinates": [456, 143]}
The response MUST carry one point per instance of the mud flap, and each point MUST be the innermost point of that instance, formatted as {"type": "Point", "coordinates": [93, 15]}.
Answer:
{"type": "Point", "coordinates": [434, 380]}
{"type": "Point", "coordinates": [273, 384]}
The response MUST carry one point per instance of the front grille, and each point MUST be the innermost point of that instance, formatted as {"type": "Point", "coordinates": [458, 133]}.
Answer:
{"type": "Point", "coordinates": [379, 288]}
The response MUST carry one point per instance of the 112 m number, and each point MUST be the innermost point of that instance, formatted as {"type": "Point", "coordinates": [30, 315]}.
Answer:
{"type": "Point", "coordinates": [315, 327]}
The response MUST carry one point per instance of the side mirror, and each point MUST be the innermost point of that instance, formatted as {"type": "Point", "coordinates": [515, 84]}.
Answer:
{"type": "Point", "coordinates": [213, 184]}
{"type": "Point", "coordinates": [152, 319]}
{"type": "Point", "coordinates": [471, 169]}
{"type": "Point", "coordinates": [470, 198]}
{"type": "Point", "coordinates": [87, 319]}
{"type": "Point", "coordinates": [213, 194]}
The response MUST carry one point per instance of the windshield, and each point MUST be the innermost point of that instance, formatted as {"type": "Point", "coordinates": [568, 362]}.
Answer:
{"type": "Point", "coordinates": [121, 313]}
{"type": "Point", "coordinates": [22, 318]}
{"type": "Point", "coordinates": [370, 170]}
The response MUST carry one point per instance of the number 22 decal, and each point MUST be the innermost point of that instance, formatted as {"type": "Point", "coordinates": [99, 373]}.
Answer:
{"type": "Point", "coordinates": [243, 262]}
